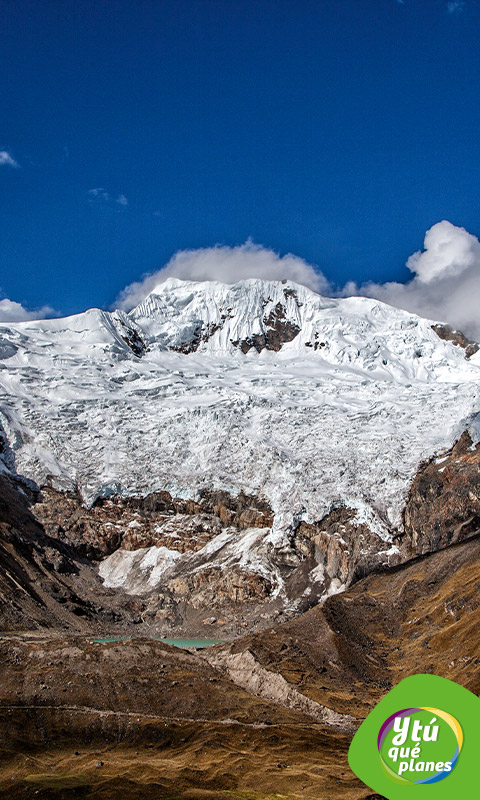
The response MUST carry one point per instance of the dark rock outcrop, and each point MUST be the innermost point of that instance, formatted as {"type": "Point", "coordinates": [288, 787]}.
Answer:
{"type": "Point", "coordinates": [278, 331]}
{"type": "Point", "coordinates": [443, 506]}
{"type": "Point", "coordinates": [316, 344]}
{"type": "Point", "coordinates": [135, 522]}
{"type": "Point", "coordinates": [132, 338]}
{"type": "Point", "coordinates": [44, 582]}
{"type": "Point", "coordinates": [201, 333]}
{"type": "Point", "coordinates": [347, 550]}
{"type": "Point", "coordinates": [457, 338]}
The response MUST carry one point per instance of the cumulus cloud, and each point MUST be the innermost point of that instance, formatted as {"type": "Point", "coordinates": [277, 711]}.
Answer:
{"type": "Point", "coordinates": [448, 251]}
{"type": "Point", "coordinates": [445, 285]}
{"type": "Point", "coordinates": [446, 282]}
{"type": "Point", "coordinates": [228, 265]}
{"type": "Point", "coordinates": [10, 311]}
{"type": "Point", "coordinates": [7, 160]}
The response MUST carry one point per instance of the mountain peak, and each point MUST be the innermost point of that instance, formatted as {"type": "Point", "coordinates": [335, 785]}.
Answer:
{"type": "Point", "coordinates": [255, 316]}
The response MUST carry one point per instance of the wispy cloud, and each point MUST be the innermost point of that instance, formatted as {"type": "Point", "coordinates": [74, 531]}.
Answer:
{"type": "Point", "coordinates": [7, 160]}
{"type": "Point", "coordinates": [10, 311]}
{"type": "Point", "coordinates": [455, 6]}
{"type": "Point", "coordinates": [98, 195]}
{"type": "Point", "coordinates": [100, 198]}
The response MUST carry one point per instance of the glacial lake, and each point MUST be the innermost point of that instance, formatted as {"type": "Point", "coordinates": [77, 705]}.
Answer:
{"type": "Point", "coordinates": [184, 643]}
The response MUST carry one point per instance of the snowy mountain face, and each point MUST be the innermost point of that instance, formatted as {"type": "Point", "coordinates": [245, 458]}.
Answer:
{"type": "Point", "coordinates": [260, 387]}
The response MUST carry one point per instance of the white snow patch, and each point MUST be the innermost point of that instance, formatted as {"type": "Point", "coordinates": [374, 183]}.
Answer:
{"type": "Point", "coordinates": [474, 431]}
{"type": "Point", "coordinates": [336, 586]}
{"type": "Point", "coordinates": [137, 570]}
{"type": "Point", "coordinates": [317, 575]}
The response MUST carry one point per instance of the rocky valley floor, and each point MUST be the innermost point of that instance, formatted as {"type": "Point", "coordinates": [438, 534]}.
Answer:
{"type": "Point", "coordinates": [268, 715]}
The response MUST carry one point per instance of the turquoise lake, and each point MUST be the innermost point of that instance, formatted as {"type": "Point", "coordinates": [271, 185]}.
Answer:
{"type": "Point", "coordinates": [185, 643]}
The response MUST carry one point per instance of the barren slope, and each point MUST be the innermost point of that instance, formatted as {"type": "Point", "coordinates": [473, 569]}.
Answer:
{"type": "Point", "coordinates": [173, 725]}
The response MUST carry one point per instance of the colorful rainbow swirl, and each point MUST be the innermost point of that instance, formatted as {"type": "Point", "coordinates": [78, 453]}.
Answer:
{"type": "Point", "coordinates": [451, 721]}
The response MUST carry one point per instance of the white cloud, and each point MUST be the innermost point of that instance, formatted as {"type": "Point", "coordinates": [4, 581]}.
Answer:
{"type": "Point", "coordinates": [7, 160]}
{"type": "Point", "coordinates": [98, 195]}
{"type": "Point", "coordinates": [228, 265]}
{"type": "Point", "coordinates": [446, 282]}
{"type": "Point", "coordinates": [10, 311]}
{"type": "Point", "coordinates": [455, 6]}
{"type": "Point", "coordinates": [448, 251]}
{"type": "Point", "coordinates": [445, 285]}
{"type": "Point", "coordinates": [100, 198]}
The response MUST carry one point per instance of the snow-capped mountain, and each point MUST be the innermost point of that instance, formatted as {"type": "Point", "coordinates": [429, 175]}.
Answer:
{"type": "Point", "coordinates": [263, 387]}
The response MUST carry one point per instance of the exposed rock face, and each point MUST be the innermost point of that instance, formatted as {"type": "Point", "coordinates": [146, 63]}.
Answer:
{"type": "Point", "coordinates": [457, 338]}
{"type": "Point", "coordinates": [66, 539]}
{"type": "Point", "coordinates": [217, 588]}
{"type": "Point", "coordinates": [44, 582]}
{"type": "Point", "coordinates": [278, 331]}
{"type": "Point", "coordinates": [316, 343]}
{"type": "Point", "coordinates": [132, 337]}
{"type": "Point", "coordinates": [137, 522]}
{"type": "Point", "coordinates": [345, 549]}
{"type": "Point", "coordinates": [235, 568]}
{"type": "Point", "coordinates": [64, 518]}
{"type": "Point", "coordinates": [346, 652]}
{"type": "Point", "coordinates": [181, 532]}
{"type": "Point", "coordinates": [242, 511]}
{"type": "Point", "coordinates": [201, 333]}
{"type": "Point", "coordinates": [443, 506]}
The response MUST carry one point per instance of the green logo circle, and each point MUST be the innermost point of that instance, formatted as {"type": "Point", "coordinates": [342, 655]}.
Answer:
{"type": "Point", "coordinates": [419, 745]}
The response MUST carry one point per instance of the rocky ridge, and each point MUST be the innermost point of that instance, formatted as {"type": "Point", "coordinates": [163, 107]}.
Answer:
{"type": "Point", "coordinates": [443, 506]}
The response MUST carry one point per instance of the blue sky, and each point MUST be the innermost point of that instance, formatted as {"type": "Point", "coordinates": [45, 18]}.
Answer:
{"type": "Point", "coordinates": [337, 130]}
